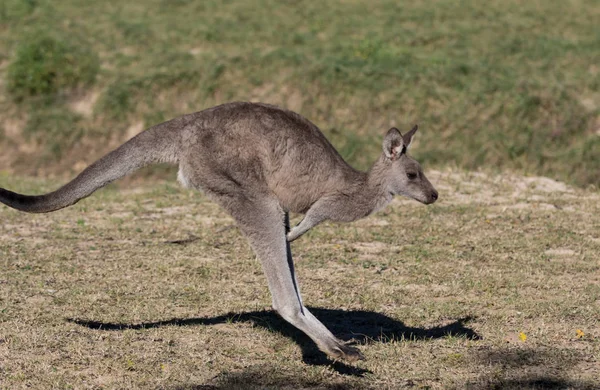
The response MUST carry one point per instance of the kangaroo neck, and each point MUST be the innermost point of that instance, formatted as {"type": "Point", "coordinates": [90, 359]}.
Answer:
{"type": "Point", "coordinates": [378, 184]}
{"type": "Point", "coordinates": [368, 191]}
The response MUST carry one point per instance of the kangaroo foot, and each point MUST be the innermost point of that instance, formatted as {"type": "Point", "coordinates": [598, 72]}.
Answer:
{"type": "Point", "coordinates": [346, 352]}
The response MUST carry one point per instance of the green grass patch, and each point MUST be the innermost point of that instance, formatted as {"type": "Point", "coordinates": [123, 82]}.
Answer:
{"type": "Point", "coordinates": [55, 127]}
{"type": "Point", "coordinates": [495, 86]}
{"type": "Point", "coordinates": [13, 10]}
{"type": "Point", "coordinates": [45, 64]}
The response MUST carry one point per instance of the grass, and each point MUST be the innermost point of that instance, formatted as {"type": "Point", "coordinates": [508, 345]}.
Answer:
{"type": "Point", "coordinates": [494, 286]}
{"type": "Point", "coordinates": [45, 65]}
{"type": "Point", "coordinates": [506, 85]}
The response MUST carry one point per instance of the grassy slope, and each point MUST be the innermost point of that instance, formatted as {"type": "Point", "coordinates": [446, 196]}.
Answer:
{"type": "Point", "coordinates": [503, 84]}
{"type": "Point", "coordinates": [437, 296]}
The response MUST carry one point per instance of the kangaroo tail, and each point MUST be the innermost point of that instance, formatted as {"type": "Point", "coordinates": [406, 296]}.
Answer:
{"type": "Point", "coordinates": [157, 144]}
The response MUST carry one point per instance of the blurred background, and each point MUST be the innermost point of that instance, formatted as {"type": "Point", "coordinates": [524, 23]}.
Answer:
{"type": "Point", "coordinates": [500, 85]}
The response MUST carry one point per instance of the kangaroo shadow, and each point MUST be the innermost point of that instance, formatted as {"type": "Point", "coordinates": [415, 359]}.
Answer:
{"type": "Point", "coordinates": [367, 327]}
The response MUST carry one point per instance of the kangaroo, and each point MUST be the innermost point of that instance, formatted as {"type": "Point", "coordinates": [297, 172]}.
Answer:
{"type": "Point", "coordinates": [260, 162]}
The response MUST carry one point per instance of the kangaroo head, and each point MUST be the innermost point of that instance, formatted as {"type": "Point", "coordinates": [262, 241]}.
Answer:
{"type": "Point", "coordinates": [405, 175]}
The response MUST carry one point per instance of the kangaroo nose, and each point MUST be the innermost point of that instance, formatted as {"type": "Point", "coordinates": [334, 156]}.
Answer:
{"type": "Point", "coordinates": [434, 195]}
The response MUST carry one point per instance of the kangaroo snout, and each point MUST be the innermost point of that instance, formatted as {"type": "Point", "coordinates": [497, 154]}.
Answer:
{"type": "Point", "coordinates": [432, 197]}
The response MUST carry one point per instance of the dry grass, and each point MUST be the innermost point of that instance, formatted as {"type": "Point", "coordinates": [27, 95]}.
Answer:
{"type": "Point", "coordinates": [98, 295]}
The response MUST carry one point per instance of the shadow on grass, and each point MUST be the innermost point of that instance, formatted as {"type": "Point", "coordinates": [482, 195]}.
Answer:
{"type": "Point", "coordinates": [367, 327]}
{"type": "Point", "coordinates": [541, 368]}
{"type": "Point", "coordinates": [261, 377]}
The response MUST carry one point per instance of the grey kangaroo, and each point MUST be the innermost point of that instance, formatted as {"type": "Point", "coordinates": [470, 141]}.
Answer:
{"type": "Point", "coordinates": [260, 162]}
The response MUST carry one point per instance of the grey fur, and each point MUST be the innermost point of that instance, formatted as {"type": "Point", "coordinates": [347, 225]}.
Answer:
{"type": "Point", "coordinates": [260, 162]}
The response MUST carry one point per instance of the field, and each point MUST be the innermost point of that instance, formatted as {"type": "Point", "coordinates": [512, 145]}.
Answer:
{"type": "Point", "coordinates": [147, 285]}
{"type": "Point", "coordinates": [495, 286]}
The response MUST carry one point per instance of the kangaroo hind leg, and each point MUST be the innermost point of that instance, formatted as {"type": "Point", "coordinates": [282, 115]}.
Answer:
{"type": "Point", "coordinates": [263, 222]}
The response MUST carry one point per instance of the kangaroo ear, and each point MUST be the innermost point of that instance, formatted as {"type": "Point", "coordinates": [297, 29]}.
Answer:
{"type": "Point", "coordinates": [393, 144]}
{"type": "Point", "coordinates": [407, 138]}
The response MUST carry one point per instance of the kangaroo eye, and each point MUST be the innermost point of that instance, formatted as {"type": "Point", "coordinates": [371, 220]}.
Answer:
{"type": "Point", "coordinates": [411, 175]}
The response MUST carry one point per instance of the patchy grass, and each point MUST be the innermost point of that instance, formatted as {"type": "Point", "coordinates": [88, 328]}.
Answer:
{"type": "Point", "coordinates": [46, 65]}
{"type": "Point", "coordinates": [494, 286]}
{"type": "Point", "coordinates": [495, 85]}
{"type": "Point", "coordinates": [54, 127]}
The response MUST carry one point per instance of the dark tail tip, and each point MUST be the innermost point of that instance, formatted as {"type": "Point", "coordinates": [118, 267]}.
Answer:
{"type": "Point", "coordinates": [30, 204]}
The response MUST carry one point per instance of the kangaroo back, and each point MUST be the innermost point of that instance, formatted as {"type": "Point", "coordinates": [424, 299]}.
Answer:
{"type": "Point", "coordinates": [157, 144]}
